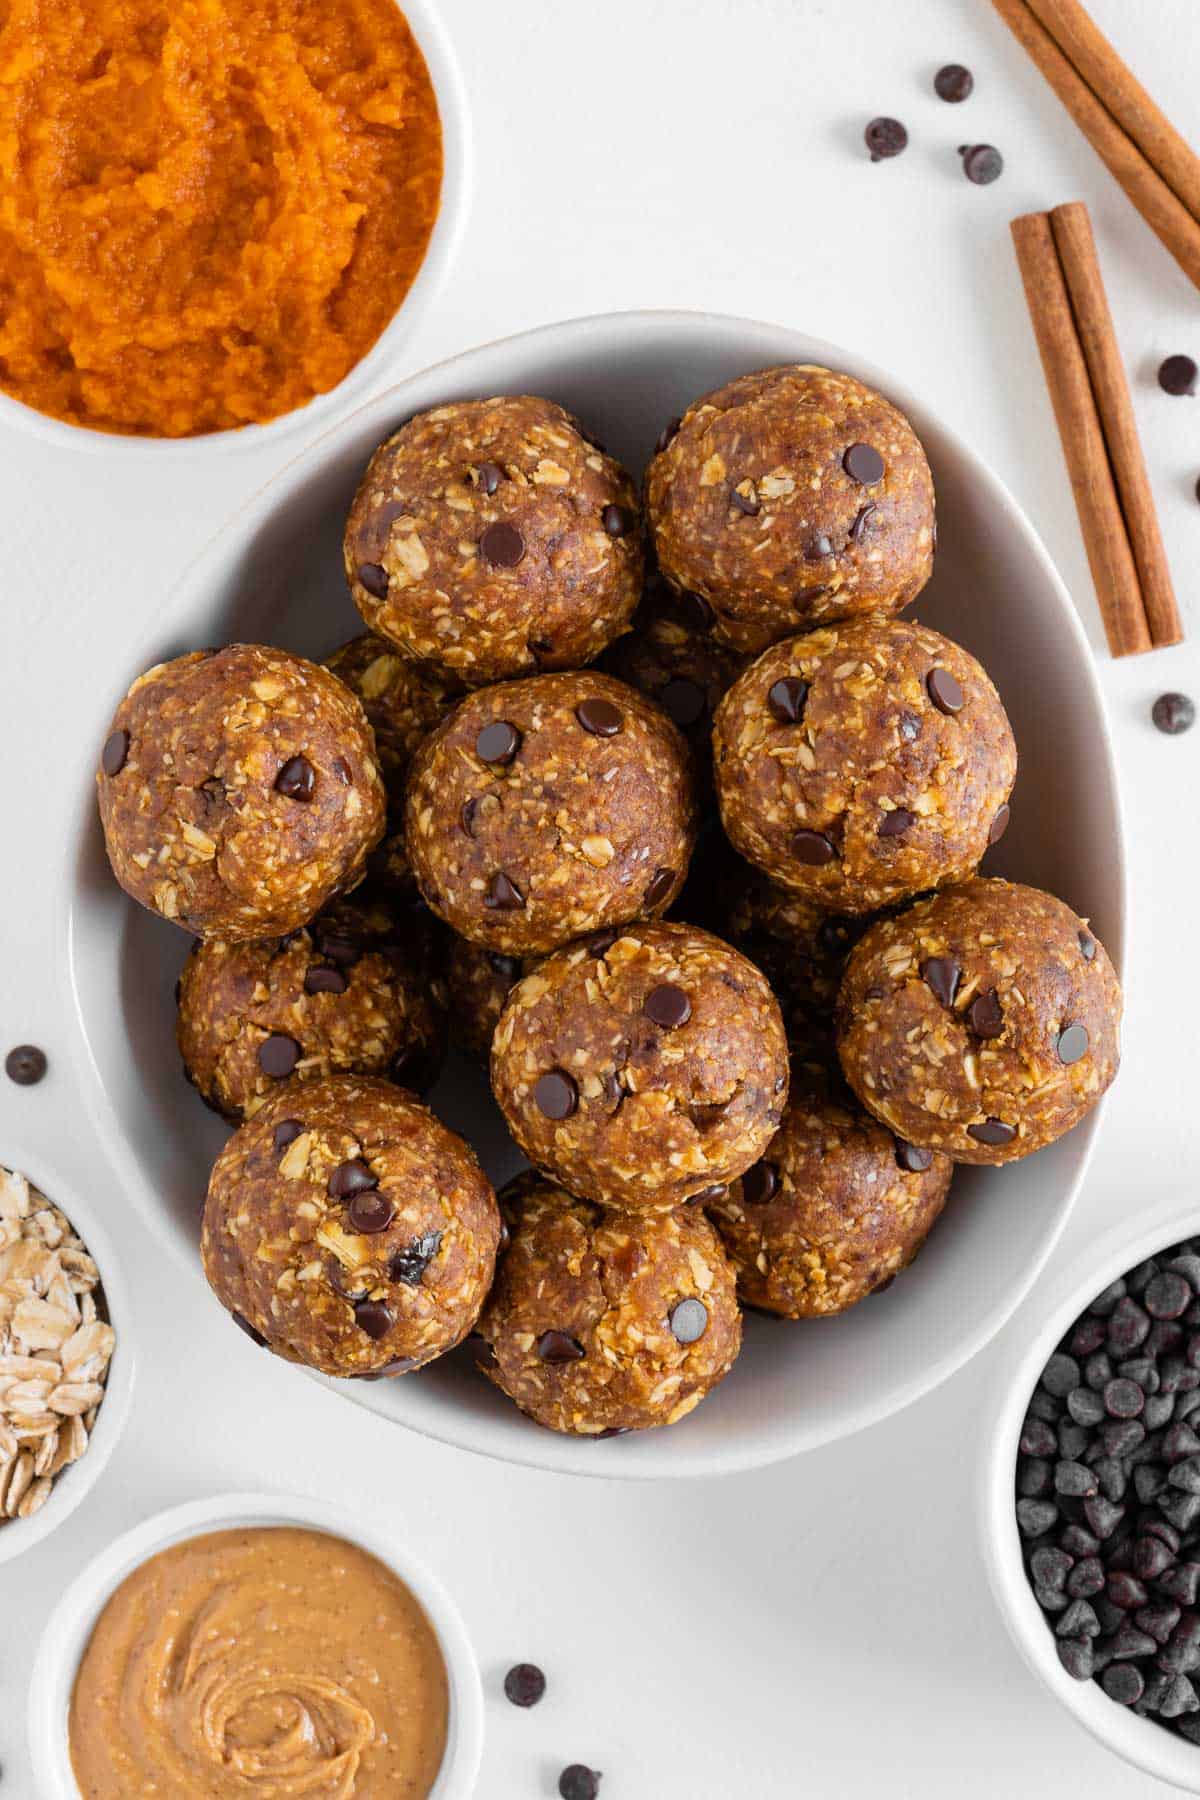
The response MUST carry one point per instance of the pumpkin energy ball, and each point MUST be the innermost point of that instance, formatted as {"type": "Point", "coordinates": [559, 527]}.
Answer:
{"type": "Point", "coordinates": [982, 1022]}
{"type": "Point", "coordinates": [545, 808]}
{"type": "Point", "coordinates": [348, 1229]}
{"type": "Point", "coordinates": [788, 497]}
{"type": "Point", "coordinates": [489, 538]}
{"type": "Point", "coordinates": [478, 982]}
{"type": "Point", "coordinates": [602, 1323]}
{"type": "Point", "coordinates": [402, 703]}
{"type": "Point", "coordinates": [347, 994]}
{"type": "Point", "coordinates": [642, 1068]}
{"type": "Point", "coordinates": [864, 763]}
{"type": "Point", "coordinates": [834, 1210]}
{"type": "Point", "coordinates": [239, 791]}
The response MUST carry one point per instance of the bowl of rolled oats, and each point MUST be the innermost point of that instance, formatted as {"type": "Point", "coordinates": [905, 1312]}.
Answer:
{"type": "Point", "coordinates": [66, 1357]}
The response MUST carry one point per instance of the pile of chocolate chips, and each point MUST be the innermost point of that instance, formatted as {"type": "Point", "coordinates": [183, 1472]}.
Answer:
{"type": "Point", "coordinates": [1108, 1491]}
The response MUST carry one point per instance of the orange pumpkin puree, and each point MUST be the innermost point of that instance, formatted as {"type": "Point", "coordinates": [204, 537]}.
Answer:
{"type": "Point", "coordinates": [209, 209]}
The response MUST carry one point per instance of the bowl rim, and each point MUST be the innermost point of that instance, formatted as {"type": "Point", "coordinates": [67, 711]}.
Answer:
{"type": "Point", "coordinates": [68, 1629]}
{"type": "Point", "coordinates": [427, 22]}
{"type": "Point", "coordinates": [72, 1488]}
{"type": "Point", "coordinates": [1137, 1741]}
{"type": "Point", "coordinates": [604, 333]}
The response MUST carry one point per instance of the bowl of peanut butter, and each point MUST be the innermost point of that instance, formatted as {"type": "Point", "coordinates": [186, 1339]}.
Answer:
{"type": "Point", "coordinates": [255, 1644]}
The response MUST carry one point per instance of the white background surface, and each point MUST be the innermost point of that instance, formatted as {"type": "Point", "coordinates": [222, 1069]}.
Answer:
{"type": "Point", "coordinates": [822, 1628]}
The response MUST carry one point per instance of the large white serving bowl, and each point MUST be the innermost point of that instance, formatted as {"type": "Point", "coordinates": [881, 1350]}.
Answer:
{"type": "Point", "coordinates": [274, 573]}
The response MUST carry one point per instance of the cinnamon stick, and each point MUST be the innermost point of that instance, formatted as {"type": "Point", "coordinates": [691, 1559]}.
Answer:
{"type": "Point", "coordinates": [1101, 520]}
{"type": "Point", "coordinates": [1163, 210]}
{"type": "Point", "coordinates": [1080, 265]}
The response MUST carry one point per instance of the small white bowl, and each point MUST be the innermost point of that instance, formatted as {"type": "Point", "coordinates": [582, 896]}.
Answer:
{"type": "Point", "coordinates": [76, 1481]}
{"type": "Point", "coordinates": [425, 20]}
{"type": "Point", "coordinates": [70, 1627]}
{"type": "Point", "coordinates": [1139, 1741]}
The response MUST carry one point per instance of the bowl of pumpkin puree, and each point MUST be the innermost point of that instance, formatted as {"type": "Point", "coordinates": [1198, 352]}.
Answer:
{"type": "Point", "coordinates": [255, 1644]}
{"type": "Point", "coordinates": [218, 218]}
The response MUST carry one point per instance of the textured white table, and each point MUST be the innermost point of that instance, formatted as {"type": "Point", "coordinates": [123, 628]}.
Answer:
{"type": "Point", "coordinates": [822, 1628]}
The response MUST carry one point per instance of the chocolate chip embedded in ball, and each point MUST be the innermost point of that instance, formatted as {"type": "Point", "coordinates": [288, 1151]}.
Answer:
{"type": "Point", "coordinates": [243, 1324]}
{"type": "Point", "coordinates": [503, 894]}
{"type": "Point", "coordinates": [912, 1159]}
{"type": "Point", "coordinates": [325, 981]}
{"type": "Point", "coordinates": [115, 752]}
{"type": "Point", "coordinates": [374, 1317]}
{"type": "Point", "coordinates": [985, 1015]}
{"type": "Point", "coordinates": [555, 1094]}
{"type": "Point", "coordinates": [285, 1133]}
{"type": "Point", "coordinates": [1072, 1043]}
{"type": "Point", "coordinates": [812, 848]}
{"type": "Point", "coordinates": [618, 521]}
{"type": "Point", "coordinates": [787, 697]}
{"type": "Point", "coordinates": [373, 577]}
{"type": "Point", "coordinates": [941, 975]}
{"type": "Point", "coordinates": [599, 717]}
{"type": "Point", "coordinates": [559, 1347]}
{"type": "Point", "coordinates": [370, 1212]}
{"type": "Point", "coordinates": [661, 883]}
{"type": "Point", "coordinates": [759, 1183]}
{"type": "Point", "coordinates": [349, 1178]}
{"type": "Point", "coordinates": [502, 545]}
{"type": "Point", "coordinates": [945, 691]}
{"type": "Point", "coordinates": [297, 779]}
{"type": "Point", "coordinates": [668, 1006]}
{"type": "Point", "coordinates": [896, 822]}
{"type": "Point", "coordinates": [744, 499]}
{"type": "Point", "coordinates": [885, 138]}
{"type": "Point", "coordinates": [488, 477]}
{"type": "Point", "coordinates": [278, 1055]}
{"type": "Point", "coordinates": [993, 1132]}
{"type": "Point", "coordinates": [999, 824]}
{"type": "Point", "coordinates": [863, 463]}
{"type": "Point", "coordinates": [689, 1321]}
{"type": "Point", "coordinates": [498, 743]}
{"type": "Point", "coordinates": [409, 1264]}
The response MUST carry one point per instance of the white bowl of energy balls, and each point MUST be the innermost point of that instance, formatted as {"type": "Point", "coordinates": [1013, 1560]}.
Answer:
{"type": "Point", "coordinates": [569, 830]}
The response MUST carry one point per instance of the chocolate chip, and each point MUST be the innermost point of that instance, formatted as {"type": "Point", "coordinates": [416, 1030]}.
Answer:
{"type": "Point", "coordinates": [602, 942]}
{"type": "Point", "coordinates": [707, 1195]}
{"type": "Point", "coordinates": [503, 895]}
{"type": "Point", "coordinates": [578, 1782]}
{"type": "Point", "coordinates": [787, 698]}
{"type": "Point", "coordinates": [863, 463]}
{"type": "Point", "coordinates": [524, 1684]}
{"type": "Point", "coordinates": [985, 1015]}
{"type": "Point", "coordinates": [599, 717]}
{"type": "Point", "coordinates": [25, 1064]}
{"type": "Point", "coordinates": [759, 1183]}
{"type": "Point", "coordinates": [618, 521]}
{"type": "Point", "coordinates": [684, 701]}
{"type": "Point", "coordinates": [374, 577]}
{"type": "Point", "coordinates": [374, 1317]}
{"type": "Point", "coordinates": [1087, 945]}
{"type": "Point", "coordinates": [1072, 1043]}
{"type": "Point", "coordinates": [369, 1212]}
{"type": "Point", "coordinates": [912, 1159]}
{"type": "Point", "coordinates": [666, 434]}
{"type": "Point", "coordinates": [1177, 375]}
{"type": "Point", "coordinates": [884, 138]}
{"type": "Point", "coordinates": [498, 742]}
{"type": "Point", "coordinates": [558, 1347]}
{"type": "Point", "coordinates": [468, 815]}
{"type": "Point", "coordinates": [941, 975]}
{"type": "Point", "coordinates": [278, 1055]}
{"type": "Point", "coordinates": [818, 548]}
{"type": "Point", "coordinates": [661, 883]}
{"type": "Point", "coordinates": [982, 163]}
{"type": "Point", "coordinates": [953, 82]}
{"type": "Point", "coordinates": [896, 822]}
{"type": "Point", "coordinates": [350, 1178]}
{"type": "Point", "coordinates": [614, 1093]}
{"type": "Point", "coordinates": [285, 1133]}
{"type": "Point", "coordinates": [812, 848]}
{"type": "Point", "coordinates": [862, 519]}
{"type": "Point", "coordinates": [555, 1094]}
{"type": "Point", "coordinates": [999, 824]}
{"type": "Point", "coordinates": [696, 611]}
{"type": "Point", "coordinates": [488, 477]}
{"type": "Point", "coordinates": [409, 1265]}
{"type": "Point", "coordinates": [1173, 713]}
{"type": "Point", "coordinates": [256, 1337]}
{"type": "Point", "coordinates": [993, 1132]}
{"type": "Point", "coordinates": [507, 967]}
{"type": "Point", "coordinates": [689, 1321]}
{"type": "Point", "coordinates": [944, 691]}
{"type": "Point", "coordinates": [667, 1006]}
{"type": "Point", "coordinates": [325, 981]}
{"type": "Point", "coordinates": [114, 753]}
{"type": "Point", "coordinates": [297, 779]}
{"type": "Point", "coordinates": [339, 947]}
{"type": "Point", "coordinates": [744, 497]}
{"type": "Point", "coordinates": [502, 545]}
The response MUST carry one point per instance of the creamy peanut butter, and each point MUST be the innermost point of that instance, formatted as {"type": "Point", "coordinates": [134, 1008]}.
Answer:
{"type": "Point", "coordinates": [271, 1662]}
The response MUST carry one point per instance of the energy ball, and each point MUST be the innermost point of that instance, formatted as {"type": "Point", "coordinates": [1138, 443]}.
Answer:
{"type": "Point", "coordinates": [983, 1022]}
{"type": "Point", "coordinates": [545, 808]}
{"type": "Point", "coordinates": [239, 791]}
{"type": "Point", "coordinates": [602, 1323]}
{"type": "Point", "coordinates": [800, 948]}
{"type": "Point", "coordinates": [489, 538]}
{"type": "Point", "coordinates": [478, 982]}
{"type": "Point", "coordinates": [788, 497]}
{"type": "Point", "coordinates": [835, 1209]}
{"type": "Point", "coordinates": [346, 1228]}
{"type": "Point", "coordinates": [347, 994]}
{"type": "Point", "coordinates": [402, 703]}
{"type": "Point", "coordinates": [864, 763]}
{"type": "Point", "coordinates": [642, 1068]}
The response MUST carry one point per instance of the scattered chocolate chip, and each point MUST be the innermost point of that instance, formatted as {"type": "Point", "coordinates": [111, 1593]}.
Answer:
{"type": "Point", "coordinates": [325, 981]}
{"type": "Point", "coordinates": [507, 967]}
{"type": "Point", "coordinates": [1173, 713]}
{"type": "Point", "coordinates": [661, 883]}
{"type": "Point", "coordinates": [1072, 1043]}
{"type": "Point", "coordinates": [503, 895]}
{"type": "Point", "coordinates": [999, 824]}
{"type": "Point", "coordinates": [25, 1064]}
{"type": "Point", "coordinates": [374, 577]}
{"type": "Point", "coordinates": [1087, 945]}
{"type": "Point", "coordinates": [953, 83]}
{"type": "Point", "coordinates": [689, 1321]}
{"type": "Point", "coordinates": [683, 701]}
{"type": "Point", "coordinates": [863, 463]}
{"type": "Point", "coordinates": [787, 699]}
{"type": "Point", "coordinates": [558, 1347]}
{"type": "Point", "coordinates": [374, 1317]}
{"type": "Point", "coordinates": [944, 691]}
{"type": "Point", "coordinates": [369, 1212]}
{"type": "Point", "coordinates": [602, 942]}
{"type": "Point", "coordinates": [618, 521]}
{"type": "Point", "coordinates": [896, 822]}
{"type": "Point", "coordinates": [982, 163]}
{"type": "Point", "coordinates": [555, 1094]}
{"type": "Point", "coordinates": [599, 717]}
{"type": "Point", "coordinates": [498, 742]}
{"type": "Point", "coordinates": [524, 1684]}
{"type": "Point", "coordinates": [696, 611]}
{"type": "Point", "coordinates": [256, 1337]}
{"type": "Point", "coordinates": [862, 519]}
{"type": "Point", "coordinates": [667, 1006]}
{"type": "Point", "coordinates": [884, 138]}
{"type": "Point", "coordinates": [666, 434]}
{"type": "Point", "coordinates": [409, 1265]}
{"type": "Point", "coordinates": [502, 545]}
{"type": "Point", "coordinates": [941, 975]}
{"type": "Point", "coordinates": [350, 1178]}
{"type": "Point", "coordinates": [278, 1055]}
{"type": "Point", "coordinates": [114, 753]}
{"type": "Point", "coordinates": [992, 1132]}
{"type": "Point", "coordinates": [812, 848]}
{"type": "Point", "coordinates": [285, 1133]}
{"type": "Point", "coordinates": [488, 477]}
{"type": "Point", "coordinates": [1177, 375]}
{"type": "Point", "coordinates": [985, 1015]}
{"type": "Point", "coordinates": [759, 1183]}
{"type": "Point", "coordinates": [297, 779]}
{"type": "Point", "coordinates": [912, 1159]}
